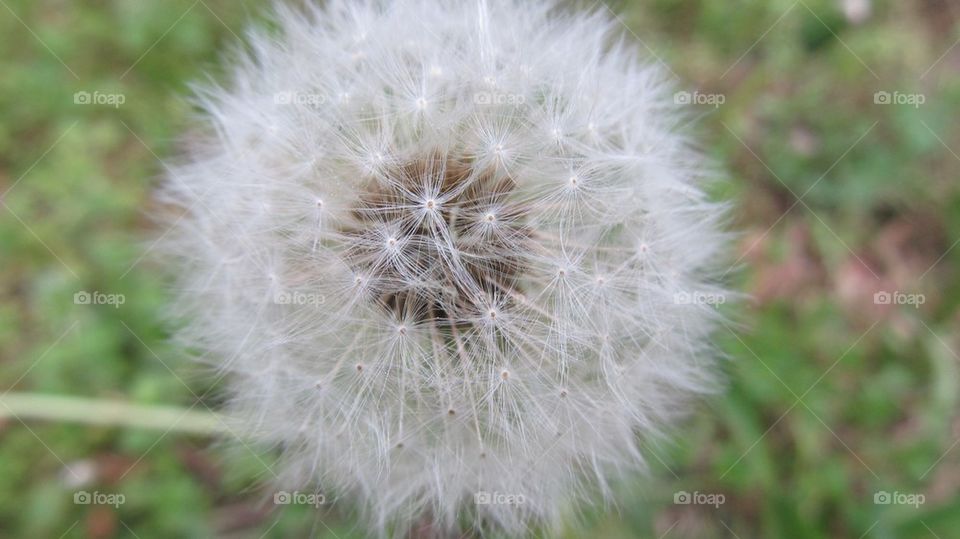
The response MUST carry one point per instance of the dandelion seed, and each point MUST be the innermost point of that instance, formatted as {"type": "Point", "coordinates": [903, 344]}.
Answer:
{"type": "Point", "coordinates": [455, 242]}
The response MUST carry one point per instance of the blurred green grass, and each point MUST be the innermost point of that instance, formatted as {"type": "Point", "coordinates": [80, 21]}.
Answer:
{"type": "Point", "coordinates": [831, 399]}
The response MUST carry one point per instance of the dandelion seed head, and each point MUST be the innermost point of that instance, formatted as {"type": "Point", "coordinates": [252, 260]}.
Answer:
{"type": "Point", "coordinates": [449, 265]}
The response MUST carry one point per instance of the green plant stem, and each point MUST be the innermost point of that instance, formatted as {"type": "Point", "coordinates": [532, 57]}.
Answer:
{"type": "Point", "coordinates": [108, 412]}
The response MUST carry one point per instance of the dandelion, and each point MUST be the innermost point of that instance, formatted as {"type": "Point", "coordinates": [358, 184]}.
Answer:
{"type": "Point", "coordinates": [478, 216]}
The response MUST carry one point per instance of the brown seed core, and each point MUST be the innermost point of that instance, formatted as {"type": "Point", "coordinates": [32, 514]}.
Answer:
{"type": "Point", "coordinates": [456, 236]}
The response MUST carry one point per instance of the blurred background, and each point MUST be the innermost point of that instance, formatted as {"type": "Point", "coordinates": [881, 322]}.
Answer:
{"type": "Point", "coordinates": [835, 122]}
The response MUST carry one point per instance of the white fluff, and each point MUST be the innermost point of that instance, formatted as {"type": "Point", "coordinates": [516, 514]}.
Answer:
{"type": "Point", "coordinates": [437, 246]}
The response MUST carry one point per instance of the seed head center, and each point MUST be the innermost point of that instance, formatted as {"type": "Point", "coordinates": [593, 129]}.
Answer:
{"type": "Point", "coordinates": [447, 269]}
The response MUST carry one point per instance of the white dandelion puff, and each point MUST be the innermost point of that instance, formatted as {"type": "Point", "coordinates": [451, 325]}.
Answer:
{"type": "Point", "coordinates": [448, 255]}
